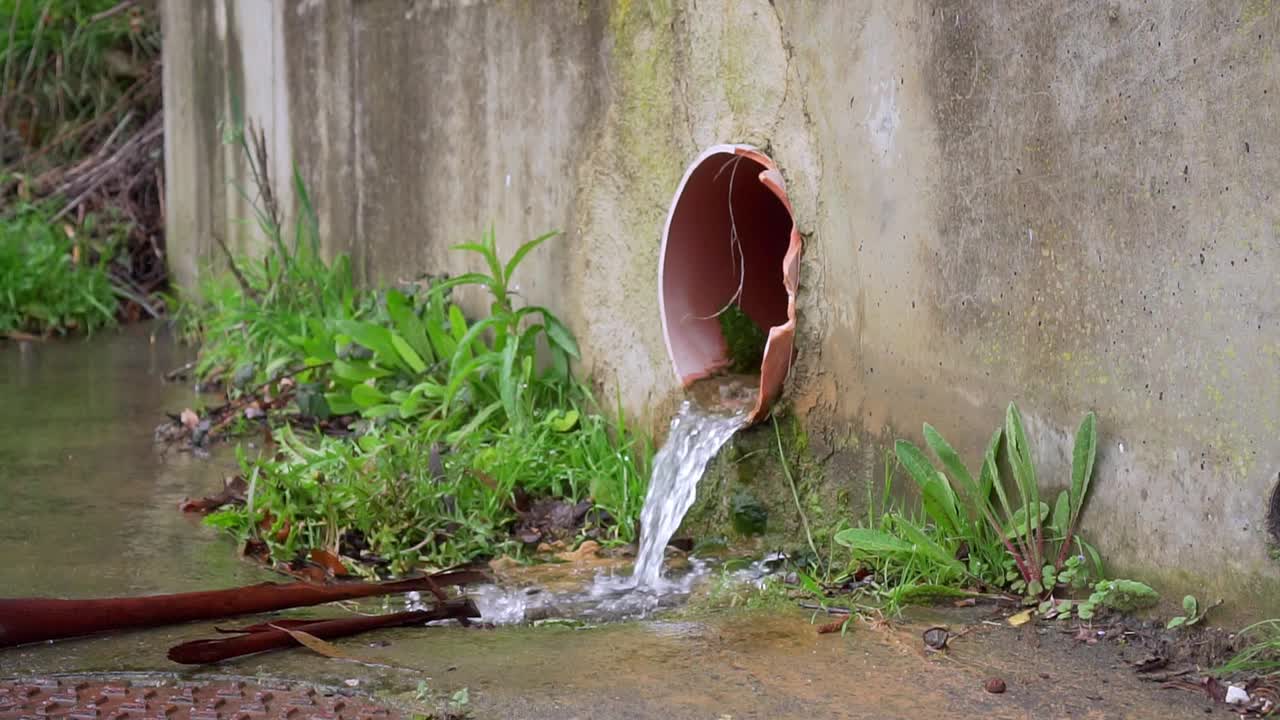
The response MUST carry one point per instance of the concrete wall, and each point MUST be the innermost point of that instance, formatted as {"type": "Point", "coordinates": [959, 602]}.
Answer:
{"type": "Point", "coordinates": [1064, 204]}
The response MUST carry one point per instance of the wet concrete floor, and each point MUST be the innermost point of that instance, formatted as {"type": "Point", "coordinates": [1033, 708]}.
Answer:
{"type": "Point", "coordinates": [88, 508]}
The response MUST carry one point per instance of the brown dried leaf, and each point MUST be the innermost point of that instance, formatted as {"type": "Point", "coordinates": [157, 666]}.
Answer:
{"type": "Point", "coordinates": [330, 562]}
{"type": "Point", "coordinates": [323, 647]}
{"type": "Point", "coordinates": [834, 626]}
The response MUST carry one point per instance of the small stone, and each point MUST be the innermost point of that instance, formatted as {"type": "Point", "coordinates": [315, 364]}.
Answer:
{"type": "Point", "coordinates": [995, 686]}
{"type": "Point", "coordinates": [936, 638]}
{"type": "Point", "coordinates": [1237, 695]}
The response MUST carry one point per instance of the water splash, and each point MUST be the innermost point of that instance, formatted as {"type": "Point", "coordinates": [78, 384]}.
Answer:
{"type": "Point", "coordinates": [696, 436]}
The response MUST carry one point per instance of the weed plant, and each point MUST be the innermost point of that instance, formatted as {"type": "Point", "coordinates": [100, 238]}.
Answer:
{"type": "Point", "coordinates": [1261, 656]}
{"type": "Point", "coordinates": [457, 416]}
{"type": "Point", "coordinates": [988, 530]}
{"type": "Point", "coordinates": [49, 281]}
{"type": "Point", "coordinates": [67, 62]}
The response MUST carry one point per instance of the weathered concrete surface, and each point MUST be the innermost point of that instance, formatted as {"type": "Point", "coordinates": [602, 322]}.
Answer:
{"type": "Point", "coordinates": [1067, 205]}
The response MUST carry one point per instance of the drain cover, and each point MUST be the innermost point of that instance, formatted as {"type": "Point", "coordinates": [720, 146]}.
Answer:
{"type": "Point", "coordinates": [96, 699]}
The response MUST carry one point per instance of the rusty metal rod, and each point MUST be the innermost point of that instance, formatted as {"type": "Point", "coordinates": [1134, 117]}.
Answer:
{"type": "Point", "coordinates": [25, 620]}
{"type": "Point", "coordinates": [261, 638]}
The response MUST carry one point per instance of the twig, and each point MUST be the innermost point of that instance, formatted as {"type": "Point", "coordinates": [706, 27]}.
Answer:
{"type": "Point", "coordinates": [124, 5]}
{"type": "Point", "coordinates": [235, 269]}
{"type": "Point", "coordinates": [178, 372]}
{"type": "Point", "coordinates": [120, 287]}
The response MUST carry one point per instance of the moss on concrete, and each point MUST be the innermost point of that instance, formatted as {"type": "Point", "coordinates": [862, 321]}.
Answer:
{"type": "Point", "coordinates": [746, 482]}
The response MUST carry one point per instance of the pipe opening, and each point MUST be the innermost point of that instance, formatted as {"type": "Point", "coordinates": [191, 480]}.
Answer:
{"type": "Point", "coordinates": [729, 262]}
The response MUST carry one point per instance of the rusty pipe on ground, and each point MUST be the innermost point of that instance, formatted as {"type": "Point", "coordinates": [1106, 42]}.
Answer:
{"type": "Point", "coordinates": [25, 620]}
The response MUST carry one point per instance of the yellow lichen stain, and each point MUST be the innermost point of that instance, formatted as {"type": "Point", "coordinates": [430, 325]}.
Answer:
{"type": "Point", "coordinates": [1254, 10]}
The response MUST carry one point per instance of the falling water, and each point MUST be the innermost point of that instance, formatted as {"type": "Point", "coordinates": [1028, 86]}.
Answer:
{"type": "Point", "coordinates": [696, 436]}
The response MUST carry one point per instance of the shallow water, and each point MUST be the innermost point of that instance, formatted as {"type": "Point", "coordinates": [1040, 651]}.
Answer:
{"type": "Point", "coordinates": [88, 507]}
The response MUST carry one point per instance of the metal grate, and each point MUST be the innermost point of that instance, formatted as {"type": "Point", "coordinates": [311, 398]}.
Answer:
{"type": "Point", "coordinates": [96, 699]}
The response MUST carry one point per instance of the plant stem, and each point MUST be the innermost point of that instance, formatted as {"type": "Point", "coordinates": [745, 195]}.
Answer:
{"type": "Point", "coordinates": [786, 470]}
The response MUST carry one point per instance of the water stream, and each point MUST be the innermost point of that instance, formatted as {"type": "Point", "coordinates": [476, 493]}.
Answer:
{"type": "Point", "coordinates": [696, 436]}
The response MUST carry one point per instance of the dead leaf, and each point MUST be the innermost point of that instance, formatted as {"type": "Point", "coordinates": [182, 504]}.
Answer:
{"type": "Point", "coordinates": [1020, 619]}
{"type": "Point", "coordinates": [189, 418]}
{"type": "Point", "coordinates": [323, 647]}
{"type": "Point", "coordinates": [834, 626]}
{"type": "Point", "coordinates": [330, 562]}
{"type": "Point", "coordinates": [587, 549]}
{"type": "Point", "coordinates": [233, 491]}
{"type": "Point", "coordinates": [503, 563]}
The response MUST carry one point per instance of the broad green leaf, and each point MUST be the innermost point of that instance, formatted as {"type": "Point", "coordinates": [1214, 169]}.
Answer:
{"type": "Point", "coordinates": [1082, 458]}
{"type": "Point", "coordinates": [923, 543]}
{"type": "Point", "coordinates": [561, 336]}
{"type": "Point", "coordinates": [382, 410]}
{"type": "Point", "coordinates": [458, 328]}
{"type": "Point", "coordinates": [437, 331]}
{"type": "Point", "coordinates": [1189, 605]}
{"type": "Point", "coordinates": [558, 335]}
{"type": "Point", "coordinates": [428, 389]}
{"type": "Point", "coordinates": [408, 324]}
{"type": "Point", "coordinates": [1095, 560]}
{"type": "Point", "coordinates": [377, 339]}
{"type": "Point", "coordinates": [468, 342]}
{"type": "Point", "coordinates": [950, 460]}
{"type": "Point", "coordinates": [366, 396]}
{"type": "Point", "coordinates": [340, 403]}
{"type": "Point", "coordinates": [458, 379]}
{"type": "Point", "coordinates": [810, 585]}
{"type": "Point", "coordinates": [872, 542]}
{"type": "Point", "coordinates": [929, 593]}
{"type": "Point", "coordinates": [566, 422]}
{"type": "Point", "coordinates": [1176, 622]}
{"type": "Point", "coordinates": [936, 494]}
{"type": "Point", "coordinates": [439, 289]}
{"type": "Point", "coordinates": [357, 371]}
{"type": "Point", "coordinates": [1062, 514]}
{"type": "Point", "coordinates": [1024, 477]}
{"type": "Point", "coordinates": [408, 354]}
{"type": "Point", "coordinates": [1018, 525]}
{"type": "Point", "coordinates": [410, 404]}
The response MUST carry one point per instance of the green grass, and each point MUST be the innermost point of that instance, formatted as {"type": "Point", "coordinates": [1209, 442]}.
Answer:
{"type": "Point", "coordinates": [50, 282]}
{"type": "Point", "coordinates": [61, 67]}
{"type": "Point", "coordinates": [1261, 656]}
